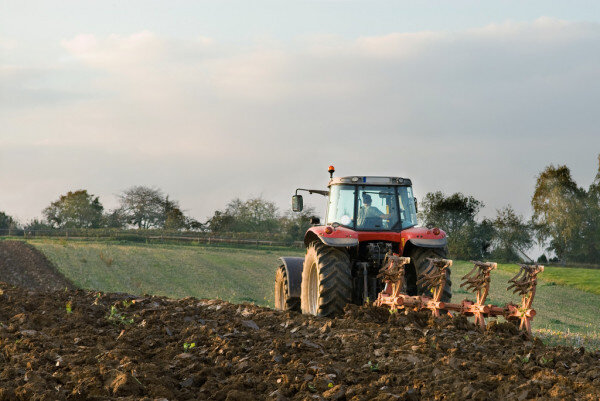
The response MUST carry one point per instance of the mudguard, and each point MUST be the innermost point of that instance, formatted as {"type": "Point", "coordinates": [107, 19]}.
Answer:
{"type": "Point", "coordinates": [339, 237]}
{"type": "Point", "coordinates": [429, 242]}
{"type": "Point", "coordinates": [293, 267]}
{"type": "Point", "coordinates": [344, 237]}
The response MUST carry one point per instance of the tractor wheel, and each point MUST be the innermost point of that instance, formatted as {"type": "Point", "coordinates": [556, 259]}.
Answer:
{"type": "Point", "coordinates": [419, 260]}
{"type": "Point", "coordinates": [326, 281]}
{"type": "Point", "coordinates": [283, 300]}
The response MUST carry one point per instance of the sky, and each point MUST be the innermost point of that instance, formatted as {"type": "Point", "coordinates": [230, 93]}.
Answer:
{"type": "Point", "coordinates": [212, 100]}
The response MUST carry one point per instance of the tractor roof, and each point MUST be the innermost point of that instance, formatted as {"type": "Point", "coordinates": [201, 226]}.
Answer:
{"type": "Point", "coordinates": [371, 180]}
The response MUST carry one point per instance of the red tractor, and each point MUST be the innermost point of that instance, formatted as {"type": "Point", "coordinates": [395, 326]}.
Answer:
{"type": "Point", "coordinates": [367, 219]}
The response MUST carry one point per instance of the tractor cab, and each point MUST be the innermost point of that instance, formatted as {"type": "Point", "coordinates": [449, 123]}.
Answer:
{"type": "Point", "coordinates": [367, 203]}
{"type": "Point", "coordinates": [371, 203]}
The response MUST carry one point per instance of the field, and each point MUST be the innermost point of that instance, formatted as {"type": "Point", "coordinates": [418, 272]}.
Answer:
{"type": "Point", "coordinates": [61, 343]}
{"type": "Point", "coordinates": [567, 299]}
{"type": "Point", "coordinates": [78, 345]}
{"type": "Point", "coordinates": [177, 271]}
{"type": "Point", "coordinates": [566, 313]}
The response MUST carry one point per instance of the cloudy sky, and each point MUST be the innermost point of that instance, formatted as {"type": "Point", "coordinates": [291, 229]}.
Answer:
{"type": "Point", "coordinates": [211, 100]}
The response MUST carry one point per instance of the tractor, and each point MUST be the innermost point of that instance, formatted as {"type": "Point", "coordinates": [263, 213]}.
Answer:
{"type": "Point", "coordinates": [368, 219]}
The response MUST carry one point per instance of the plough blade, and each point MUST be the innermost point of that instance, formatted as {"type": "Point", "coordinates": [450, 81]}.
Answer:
{"type": "Point", "coordinates": [436, 280]}
{"type": "Point", "coordinates": [524, 284]}
{"type": "Point", "coordinates": [476, 281]}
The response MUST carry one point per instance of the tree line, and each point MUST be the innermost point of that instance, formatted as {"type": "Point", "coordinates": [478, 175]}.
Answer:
{"type": "Point", "coordinates": [139, 207]}
{"type": "Point", "coordinates": [565, 221]}
{"type": "Point", "coordinates": [147, 208]}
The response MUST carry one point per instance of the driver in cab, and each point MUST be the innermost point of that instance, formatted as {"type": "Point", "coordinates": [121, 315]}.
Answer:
{"type": "Point", "coordinates": [369, 216]}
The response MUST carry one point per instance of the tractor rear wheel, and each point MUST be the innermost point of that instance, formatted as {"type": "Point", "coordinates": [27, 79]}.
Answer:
{"type": "Point", "coordinates": [283, 300]}
{"type": "Point", "coordinates": [326, 281]}
{"type": "Point", "coordinates": [422, 266]}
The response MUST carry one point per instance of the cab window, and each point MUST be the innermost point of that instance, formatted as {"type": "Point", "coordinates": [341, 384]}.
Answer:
{"type": "Point", "coordinates": [341, 205]}
{"type": "Point", "coordinates": [377, 208]}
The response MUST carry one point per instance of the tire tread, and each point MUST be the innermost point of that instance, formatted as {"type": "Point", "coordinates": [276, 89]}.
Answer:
{"type": "Point", "coordinates": [335, 280]}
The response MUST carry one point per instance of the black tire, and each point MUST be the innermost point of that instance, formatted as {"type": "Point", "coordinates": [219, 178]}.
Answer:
{"type": "Point", "coordinates": [283, 300]}
{"type": "Point", "coordinates": [418, 259]}
{"type": "Point", "coordinates": [326, 281]}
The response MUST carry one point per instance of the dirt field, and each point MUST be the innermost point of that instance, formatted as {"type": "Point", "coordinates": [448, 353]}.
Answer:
{"type": "Point", "coordinates": [23, 265]}
{"type": "Point", "coordinates": [79, 345]}
{"type": "Point", "coordinates": [83, 345]}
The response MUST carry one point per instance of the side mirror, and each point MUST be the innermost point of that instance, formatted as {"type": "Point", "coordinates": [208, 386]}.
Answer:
{"type": "Point", "coordinates": [297, 203]}
{"type": "Point", "coordinates": [315, 221]}
{"type": "Point", "coordinates": [416, 206]}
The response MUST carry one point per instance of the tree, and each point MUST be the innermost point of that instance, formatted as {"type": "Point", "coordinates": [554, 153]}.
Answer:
{"type": "Point", "coordinates": [511, 235]}
{"type": "Point", "coordinates": [456, 215]}
{"type": "Point", "coordinates": [6, 222]}
{"type": "Point", "coordinates": [143, 207]}
{"type": "Point", "coordinates": [115, 219]}
{"type": "Point", "coordinates": [567, 217]}
{"type": "Point", "coordinates": [221, 222]}
{"type": "Point", "coordinates": [473, 240]}
{"type": "Point", "coordinates": [558, 210]}
{"type": "Point", "coordinates": [481, 239]}
{"type": "Point", "coordinates": [174, 217]}
{"type": "Point", "coordinates": [37, 224]}
{"type": "Point", "coordinates": [589, 238]}
{"type": "Point", "coordinates": [252, 215]}
{"type": "Point", "coordinates": [295, 224]}
{"type": "Point", "coordinates": [193, 224]}
{"type": "Point", "coordinates": [76, 209]}
{"type": "Point", "coordinates": [449, 212]}
{"type": "Point", "coordinates": [146, 207]}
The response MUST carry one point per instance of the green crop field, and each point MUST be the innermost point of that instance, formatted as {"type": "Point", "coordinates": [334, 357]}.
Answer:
{"type": "Point", "coordinates": [567, 300]}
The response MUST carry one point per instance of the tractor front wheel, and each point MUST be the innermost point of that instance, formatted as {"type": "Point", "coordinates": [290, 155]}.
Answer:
{"type": "Point", "coordinates": [326, 281]}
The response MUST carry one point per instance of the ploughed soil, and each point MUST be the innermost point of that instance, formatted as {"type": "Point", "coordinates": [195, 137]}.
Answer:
{"type": "Point", "coordinates": [79, 345]}
{"type": "Point", "coordinates": [23, 265]}
{"type": "Point", "coordinates": [57, 343]}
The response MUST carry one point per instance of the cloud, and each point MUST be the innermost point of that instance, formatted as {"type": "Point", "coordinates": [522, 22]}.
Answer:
{"type": "Point", "coordinates": [115, 51]}
{"type": "Point", "coordinates": [480, 111]}
{"type": "Point", "coordinates": [7, 44]}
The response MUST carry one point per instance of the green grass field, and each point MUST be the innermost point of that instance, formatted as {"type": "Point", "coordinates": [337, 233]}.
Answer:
{"type": "Point", "coordinates": [583, 279]}
{"type": "Point", "coordinates": [567, 300]}
{"type": "Point", "coordinates": [566, 314]}
{"type": "Point", "coordinates": [231, 274]}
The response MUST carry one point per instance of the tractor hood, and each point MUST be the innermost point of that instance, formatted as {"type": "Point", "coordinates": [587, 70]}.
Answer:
{"type": "Point", "coordinates": [345, 237]}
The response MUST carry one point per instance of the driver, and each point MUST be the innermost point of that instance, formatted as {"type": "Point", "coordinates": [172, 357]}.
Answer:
{"type": "Point", "coordinates": [367, 211]}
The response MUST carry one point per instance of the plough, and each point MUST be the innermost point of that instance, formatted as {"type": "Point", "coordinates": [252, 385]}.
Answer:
{"type": "Point", "coordinates": [477, 281]}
